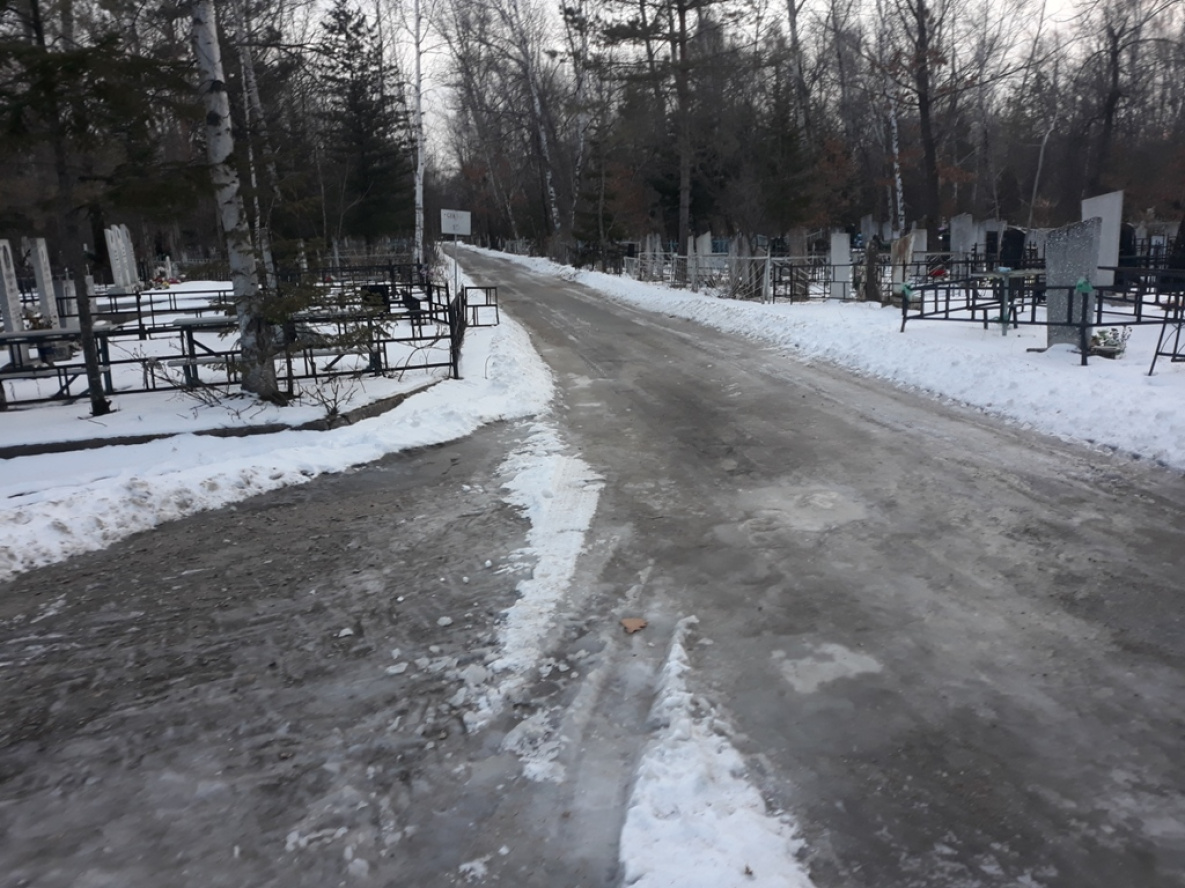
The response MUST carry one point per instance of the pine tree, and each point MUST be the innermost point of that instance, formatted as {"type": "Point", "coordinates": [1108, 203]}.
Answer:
{"type": "Point", "coordinates": [365, 129]}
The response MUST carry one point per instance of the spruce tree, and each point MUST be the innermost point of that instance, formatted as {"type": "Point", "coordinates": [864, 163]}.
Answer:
{"type": "Point", "coordinates": [365, 128]}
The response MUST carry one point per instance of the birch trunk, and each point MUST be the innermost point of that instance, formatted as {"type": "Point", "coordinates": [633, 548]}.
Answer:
{"type": "Point", "coordinates": [579, 63]}
{"type": "Point", "coordinates": [418, 123]}
{"type": "Point", "coordinates": [255, 113]}
{"type": "Point", "coordinates": [897, 181]}
{"type": "Point", "coordinates": [255, 331]}
{"type": "Point", "coordinates": [517, 26]}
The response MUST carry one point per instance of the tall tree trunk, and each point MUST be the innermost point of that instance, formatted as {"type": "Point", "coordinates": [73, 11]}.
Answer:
{"type": "Point", "coordinates": [68, 214]}
{"type": "Point", "coordinates": [683, 101]}
{"type": "Point", "coordinates": [254, 115]}
{"type": "Point", "coordinates": [256, 333]}
{"type": "Point", "coordinates": [932, 202]}
{"type": "Point", "coordinates": [1110, 108]}
{"type": "Point", "coordinates": [418, 124]}
{"type": "Point", "coordinates": [895, 139]}
{"type": "Point", "coordinates": [800, 89]}
{"type": "Point", "coordinates": [579, 52]}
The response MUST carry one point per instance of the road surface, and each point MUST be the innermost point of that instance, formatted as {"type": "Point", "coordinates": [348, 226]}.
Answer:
{"type": "Point", "coordinates": [950, 649]}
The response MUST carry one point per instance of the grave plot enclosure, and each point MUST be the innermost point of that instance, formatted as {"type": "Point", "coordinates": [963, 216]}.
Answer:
{"type": "Point", "coordinates": [359, 320]}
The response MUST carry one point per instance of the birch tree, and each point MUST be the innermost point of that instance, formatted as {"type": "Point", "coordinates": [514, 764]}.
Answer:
{"type": "Point", "coordinates": [256, 333]}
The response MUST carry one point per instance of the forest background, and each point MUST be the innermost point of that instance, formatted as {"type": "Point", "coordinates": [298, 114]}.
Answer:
{"type": "Point", "coordinates": [584, 123]}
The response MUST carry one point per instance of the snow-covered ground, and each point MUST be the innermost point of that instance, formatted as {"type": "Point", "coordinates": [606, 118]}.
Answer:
{"type": "Point", "coordinates": [1110, 403]}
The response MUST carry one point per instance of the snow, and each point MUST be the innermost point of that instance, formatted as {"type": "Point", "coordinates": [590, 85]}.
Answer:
{"type": "Point", "coordinates": [1110, 403]}
{"type": "Point", "coordinates": [58, 505]}
{"type": "Point", "coordinates": [693, 819]}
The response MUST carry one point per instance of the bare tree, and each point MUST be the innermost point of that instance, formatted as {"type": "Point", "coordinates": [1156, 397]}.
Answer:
{"type": "Point", "coordinates": [256, 334]}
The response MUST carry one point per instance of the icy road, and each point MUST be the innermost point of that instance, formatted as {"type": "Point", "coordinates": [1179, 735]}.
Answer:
{"type": "Point", "coordinates": [888, 643]}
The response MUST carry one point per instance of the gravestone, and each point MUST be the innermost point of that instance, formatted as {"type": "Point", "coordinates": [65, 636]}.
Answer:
{"type": "Point", "coordinates": [39, 257]}
{"type": "Point", "coordinates": [962, 236]}
{"type": "Point", "coordinates": [921, 243]}
{"type": "Point", "coordinates": [115, 256]}
{"type": "Point", "coordinates": [1127, 244]}
{"type": "Point", "coordinates": [1012, 248]}
{"type": "Point", "coordinates": [10, 297]}
{"type": "Point", "coordinates": [886, 232]}
{"type": "Point", "coordinates": [10, 294]}
{"type": "Point", "coordinates": [67, 298]}
{"type": "Point", "coordinates": [129, 257]}
{"type": "Point", "coordinates": [841, 265]}
{"type": "Point", "coordinates": [1071, 255]}
{"type": "Point", "coordinates": [703, 244]}
{"type": "Point", "coordinates": [868, 229]}
{"type": "Point", "coordinates": [901, 255]}
{"type": "Point", "coordinates": [1109, 209]}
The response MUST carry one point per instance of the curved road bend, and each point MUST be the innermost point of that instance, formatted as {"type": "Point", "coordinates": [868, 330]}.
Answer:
{"type": "Point", "coordinates": [953, 649]}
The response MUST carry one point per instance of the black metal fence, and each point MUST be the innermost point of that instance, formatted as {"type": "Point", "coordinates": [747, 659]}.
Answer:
{"type": "Point", "coordinates": [1139, 297]}
{"type": "Point", "coordinates": [376, 320]}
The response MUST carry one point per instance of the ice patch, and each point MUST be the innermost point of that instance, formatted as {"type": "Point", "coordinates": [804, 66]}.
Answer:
{"type": "Point", "coordinates": [827, 662]}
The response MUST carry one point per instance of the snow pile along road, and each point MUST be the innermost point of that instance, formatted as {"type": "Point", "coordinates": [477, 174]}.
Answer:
{"type": "Point", "coordinates": [693, 819]}
{"type": "Point", "coordinates": [1113, 403]}
{"type": "Point", "coordinates": [58, 505]}
{"type": "Point", "coordinates": [558, 495]}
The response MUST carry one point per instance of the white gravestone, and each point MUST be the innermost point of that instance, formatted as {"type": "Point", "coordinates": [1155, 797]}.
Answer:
{"type": "Point", "coordinates": [841, 265]}
{"type": "Point", "coordinates": [129, 257]}
{"type": "Point", "coordinates": [39, 255]}
{"type": "Point", "coordinates": [10, 297]}
{"type": "Point", "coordinates": [10, 294]}
{"type": "Point", "coordinates": [962, 236]}
{"type": "Point", "coordinates": [113, 239]}
{"type": "Point", "coordinates": [1108, 208]}
{"type": "Point", "coordinates": [868, 229]}
{"type": "Point", "coordinates": [921, 243]}
{"type": "Point", "coordinates": [1071, 255]}
{"type": "Point", "coordinates": [901, 255]}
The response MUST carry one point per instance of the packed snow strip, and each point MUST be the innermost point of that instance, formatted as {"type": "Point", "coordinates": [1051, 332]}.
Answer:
{"type": "Point", "coordinates": [59, 505]}
{"type": "Point", "coordinates": [558, 495]}
{"type": "Point", "coordinates": [693, 820]}
{"type": "Point", "coordinates": [1113, 403]}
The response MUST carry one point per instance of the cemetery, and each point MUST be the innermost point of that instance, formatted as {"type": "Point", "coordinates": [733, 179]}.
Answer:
{"type": "Point", "coordinates": [172, 335]}
{"type": "Point", "coordinates": [1098, 274]}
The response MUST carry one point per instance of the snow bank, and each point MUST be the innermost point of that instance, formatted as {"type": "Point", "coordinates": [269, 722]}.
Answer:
{"type": "Point", "coordinates": [1113, 403]}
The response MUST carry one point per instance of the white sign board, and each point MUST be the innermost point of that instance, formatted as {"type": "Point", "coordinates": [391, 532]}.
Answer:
{"type": "Point", "coordinates": [454, 222]}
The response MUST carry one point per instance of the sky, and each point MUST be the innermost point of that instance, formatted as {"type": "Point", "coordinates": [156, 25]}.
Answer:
{"type": "Point", "coordinates": [690, 790]}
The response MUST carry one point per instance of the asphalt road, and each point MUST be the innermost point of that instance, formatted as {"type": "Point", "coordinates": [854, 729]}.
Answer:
{"type": "Point", "coordinates": [952, 649]}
